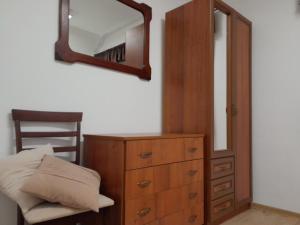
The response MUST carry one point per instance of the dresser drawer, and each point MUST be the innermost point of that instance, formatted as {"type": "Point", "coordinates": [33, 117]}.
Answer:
{"type": "Point", "coordinates": [154, 223]}
{"type": "Point", "coordinates": [140, 154]}
{"type": "Point", "coordinates": [192, 195]}
{"type": "Point", "coordinates": [177, 174]}
{"type": "Point", "coordinates": [221, 167]}
{"type": "Point", "coordinates": [140, 211]}
{"type": "Point", "coordinates": [195, 215]}
{"type": "Point", "coordinates": [146, 153]}
{"type": "Point", "coordinates": [193, 148]}
{"type": "Point", "coordinates": [222, 187]}
{"type": "Point", "coordinates": [139, 183]}
{"type": "Point", "coordinates": [222, 207]}
{"type": "Point", "coordinates": [191, 216]}
{"type": "Point", "coordinates": [178, 199]}
{"type": "Point", "coordinates": [151, 180]}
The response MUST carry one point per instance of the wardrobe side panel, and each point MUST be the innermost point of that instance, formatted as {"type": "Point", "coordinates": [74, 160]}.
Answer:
{"type": "Point", "coordinates": [242, 102]}
{"type": "Point", "coordinates": [188, 65]}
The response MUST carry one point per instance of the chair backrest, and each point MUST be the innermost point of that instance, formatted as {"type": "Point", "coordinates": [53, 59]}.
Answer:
{"type": "Point", "coordinates": [20, 116]}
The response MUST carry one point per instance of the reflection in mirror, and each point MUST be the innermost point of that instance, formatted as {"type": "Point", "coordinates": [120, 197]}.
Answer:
{"type": "Point", "coordinates": [220, 82]}
{"type": "Point", "coordinates": [107, 29]}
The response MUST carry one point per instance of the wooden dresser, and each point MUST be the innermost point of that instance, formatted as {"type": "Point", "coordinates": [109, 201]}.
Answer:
{"type": "Point", "coordinates": [154, 179]}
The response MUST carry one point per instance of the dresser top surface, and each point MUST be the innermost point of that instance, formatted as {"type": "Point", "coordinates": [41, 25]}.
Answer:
{"type": "Point", "coordinates": [145, 136]}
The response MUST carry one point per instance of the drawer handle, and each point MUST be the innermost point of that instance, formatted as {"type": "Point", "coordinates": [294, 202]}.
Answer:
{"type": "Point", "coordinates": [193, 150]}
{"type": "Point", "coordinates": [193, 218]}
{"type": "Point", "coordinates": [193, 195]}
{"type": "Point", "coordinates": [193, 173]}
{"type": "Point", "coordinates": [144, 183]}
{"type": "Point", "coordinates": [222, 187]}
{"type": "Point", "coordinates": [223, 207]}
{"type": "Point", "coordinates": [144, 212]}
{"type": "Point", "coordinates": [223, 168]}
{"type": "Point", "coordinates": [146, 155]}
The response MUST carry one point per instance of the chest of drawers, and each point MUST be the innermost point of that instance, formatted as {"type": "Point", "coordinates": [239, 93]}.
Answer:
{"type": "Point", "coordinates": [154, 179]}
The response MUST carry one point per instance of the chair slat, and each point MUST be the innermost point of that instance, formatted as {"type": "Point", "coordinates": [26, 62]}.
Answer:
{"type": "Point", "coordinates": [48, 134]}
{"type": "Point", "coordinates": [58, 149]}
{"type": "Point", "coordinates": [65, 149]}
{"type": "Point", "coordinates": [43, 116]}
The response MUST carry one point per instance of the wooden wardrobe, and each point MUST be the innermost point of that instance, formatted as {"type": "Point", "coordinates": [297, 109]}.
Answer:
{"type": "Point", "coordinates": [202, 97]}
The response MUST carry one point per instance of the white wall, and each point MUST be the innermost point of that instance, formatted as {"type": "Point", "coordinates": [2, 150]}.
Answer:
{"type": "Point", "coordinates": [30, 78]}
{"type": "Point", "coordinates": [276, 100]}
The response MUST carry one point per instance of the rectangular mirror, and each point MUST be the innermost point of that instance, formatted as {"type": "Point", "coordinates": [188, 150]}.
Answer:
{"type": "Point", "coordinates": [220, 82]}
{"type": "Point", "coordinates": [108, 33]}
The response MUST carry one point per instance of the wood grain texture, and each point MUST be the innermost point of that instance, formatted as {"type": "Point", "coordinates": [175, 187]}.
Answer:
{"type": "Point", "coordinates": [99, 156]}
{"type": "Point", "coordinates": [156, 179]}
{"type": "Point", "coordinates": [140, 211]}
{"type": "Point", "coordinates": [222, 207]}
{"type": "Point", "coordinates": [187, 88]}
{"type": "Point", "coordinates": [153, 186]}
{"type": "Point", "coordinates": [145, 153]}
{"type": "Point", "coordinates": [242, 101]}
{"type": "Point", "coordinates": [221, 187]}
{"type": "Point", "coordinates": [143, 136]}
{"type": "Point", "coordinates": [194, 148]}
{"type": "Point", "coordinates": [222, 167]}
{"type": "Point", "coordinates": [189, 93]}
{"type": "Point", "coordinates": [140, 183]}
{"type": "Point", "coordinates": [178, 199]}
{"type": "Point", "coordinates": [135, 47]}
{"type": "Point", "coordinates": [46, 116]}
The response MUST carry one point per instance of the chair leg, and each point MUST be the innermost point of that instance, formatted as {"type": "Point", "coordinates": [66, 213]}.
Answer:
{"type": "Point", "coordinates": [20, 220]}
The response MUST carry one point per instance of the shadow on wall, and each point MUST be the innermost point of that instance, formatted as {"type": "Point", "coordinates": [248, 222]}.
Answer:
{"type": "Point", "coordinates": [298, 6]}
{"type": "Point", "coordinates": [12, 144]}
{"type": "Point", "coordinates": [163, 52]}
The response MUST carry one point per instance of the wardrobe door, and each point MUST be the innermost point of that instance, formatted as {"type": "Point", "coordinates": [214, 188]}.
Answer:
{"type": "Point", "coordinates": [241, 109]}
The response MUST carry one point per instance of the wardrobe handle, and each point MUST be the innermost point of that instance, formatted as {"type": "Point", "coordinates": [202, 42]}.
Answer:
{"type": "Point", "coordinates": [144, 183]}
{"type": "Point", "coordinates": [144, 212]}
{"type": "Point", "coordinates": [146, 155]}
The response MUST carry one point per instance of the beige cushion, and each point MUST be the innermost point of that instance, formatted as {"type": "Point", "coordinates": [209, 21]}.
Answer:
{"type": "Point", "coordinates": [59, 181]}
{"type": "Point", "coordinates": [50, 211]}
{"type": "Point", "coordinates": [15, 171]}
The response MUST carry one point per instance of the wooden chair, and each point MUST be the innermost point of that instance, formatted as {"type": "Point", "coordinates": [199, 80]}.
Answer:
{"type": "Point", "coordinates": [19, 116]}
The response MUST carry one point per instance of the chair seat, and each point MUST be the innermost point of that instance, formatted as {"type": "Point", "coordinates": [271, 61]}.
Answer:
{"type": "Point", "coordinates": [49, 211]}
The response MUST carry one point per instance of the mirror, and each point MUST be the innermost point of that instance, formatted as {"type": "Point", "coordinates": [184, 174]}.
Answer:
{"type": "Point", "coordinates": [108, 33]}
{"type": "Point", "coordinates": [220, 82]}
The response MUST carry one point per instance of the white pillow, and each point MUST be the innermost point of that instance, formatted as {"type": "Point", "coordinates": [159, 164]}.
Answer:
{"type": "Point", "coordinates": [16, 169]}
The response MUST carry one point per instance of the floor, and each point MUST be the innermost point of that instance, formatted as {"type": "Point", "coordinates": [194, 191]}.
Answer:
{"type": "Point", "coordinates": [261, 216]}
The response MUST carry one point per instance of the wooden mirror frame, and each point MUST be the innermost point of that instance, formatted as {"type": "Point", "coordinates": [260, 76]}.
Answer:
{"type": "Point", "coordinates": [219, 5]}
{"type": "Point", "coordinates": [63, 52]}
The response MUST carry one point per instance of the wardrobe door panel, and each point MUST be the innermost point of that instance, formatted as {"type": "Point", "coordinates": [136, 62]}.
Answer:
{"type": "Point", "coordinates": [242, 109]}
